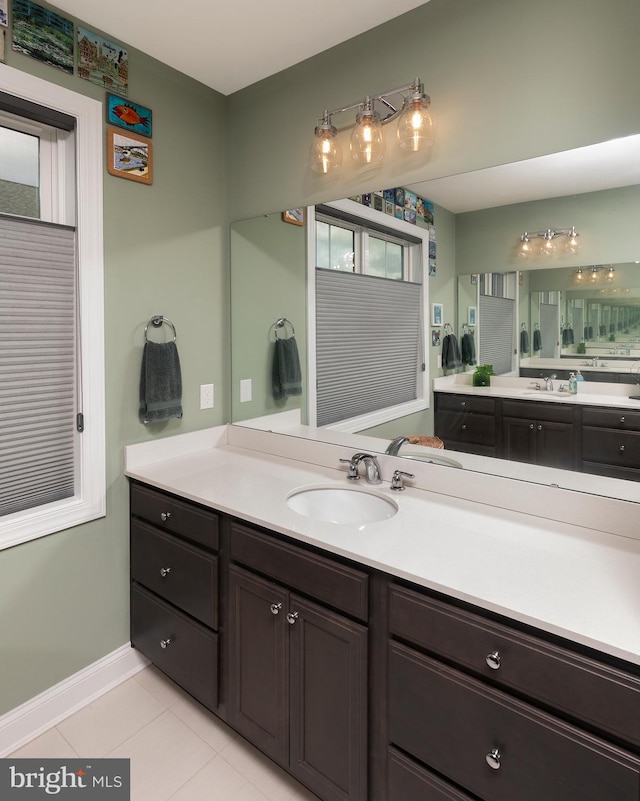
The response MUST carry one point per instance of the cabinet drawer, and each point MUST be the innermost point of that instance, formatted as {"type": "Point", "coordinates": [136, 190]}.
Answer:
{"type": "Point", "coordinates": [409, 781]}
{"type": "Point", "coordinates": [538, 410]}
{"type": "Point", "coordinates": [611, 418]}
{"type": "Point", "coordinates": [453, 723]}
{"type": "Point", "coordinates": [184, 575]}
{"type": "Point", "coordinates": [467, 403]}
{"type": "Point", "coordinates": [620, 448]}
{"type": "Point", "coordinates": [338, 585]}
{"type": "Point", "coordinates": [176, 516]}
{"type": "Point", "coordinates": [600, 695]}
{"type": "Point", "coordinates": [479, 429]}
{"type": "Point", "coordinates": [190, 655]}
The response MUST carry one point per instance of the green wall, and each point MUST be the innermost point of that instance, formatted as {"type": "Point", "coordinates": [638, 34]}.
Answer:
{"type": "Point", "coordinates": [64, 598]}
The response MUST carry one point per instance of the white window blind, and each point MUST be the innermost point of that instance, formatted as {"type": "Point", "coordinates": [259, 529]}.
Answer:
{"type": "Point", "coordinates": [37, 363]}
{"type": "Point", "coordinates": [367, 343]}
{"type": "Point", "coordinates": [497, 341]}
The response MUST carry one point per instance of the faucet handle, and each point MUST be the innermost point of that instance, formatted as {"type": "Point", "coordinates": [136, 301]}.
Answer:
{"type": "Point", "coordinates": [353, 469]}
{"type": "Point", "coordinates": [397, 484]}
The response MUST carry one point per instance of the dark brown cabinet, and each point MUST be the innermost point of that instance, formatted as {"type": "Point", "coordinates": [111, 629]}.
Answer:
{"type": "Point", "coordinates": [298, 669]}
{"type": "Point", "coordinates": [466, 423]}
{"type": "Point", "coordinates": [477, 709]}
{"type": "Point", "coordinates": [174, 589]}
{"type": "Point", "coordinates": [611, 443]}
{"type": "Point", "coordinates": [538, 433]}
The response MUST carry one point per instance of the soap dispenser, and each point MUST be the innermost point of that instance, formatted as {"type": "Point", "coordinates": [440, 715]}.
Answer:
{"type": "Point", "coordinates": [579, 377]}
{"type": "Point", "coordinates": [573, 384]}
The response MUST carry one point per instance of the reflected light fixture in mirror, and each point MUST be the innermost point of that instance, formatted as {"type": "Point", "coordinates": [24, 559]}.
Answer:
{"type": "Point", "coordinates": [594, 272]}
{"type": "Point", "coordinates": [548, 245]}
{"type": "Point", "coordinates": [414, 132]}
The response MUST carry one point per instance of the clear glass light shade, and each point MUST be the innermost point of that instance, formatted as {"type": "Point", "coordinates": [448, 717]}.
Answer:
{"type": "Point", "coordinates": [548, 245]}
{"type": "Point", "coordinates": [572, 245]}
{"type": "Point", "coordinates": [415, 125]}
{"type": "Point", "coordinates": [325, 153]}
{"type": "Point", "coordinates": [525, 248]}
{"type": "Point", "coordinates": [367, 143]}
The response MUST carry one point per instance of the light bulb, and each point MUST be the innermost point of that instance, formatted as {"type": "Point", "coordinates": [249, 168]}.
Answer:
{"type": "Point", "coordinates": [548, 245]}
{"type": "Point", "coordinates": [367, 143]}
{"type": "Point", "coordinates": [610, 273]}
{"type": "Point", "coordinates": [579, 274]}
{"type": "Point", "coordinates": [325, 152]}
{"type": "Point", "coordinates": [572, 245]}
{"type": "Point", "coordinates": [415, 125]}
{"type": "Point", "coordinates": [594, 274]}
{"type": "Point", "coordinates": [525, 248]}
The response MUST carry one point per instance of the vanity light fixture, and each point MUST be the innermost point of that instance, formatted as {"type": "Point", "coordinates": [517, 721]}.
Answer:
{"type": "Point", "coordinates": [548, 245]}
{"type": "Point", "coordinates": [408, 104]}
{"type": "Point", "coordinates": [594, 272]}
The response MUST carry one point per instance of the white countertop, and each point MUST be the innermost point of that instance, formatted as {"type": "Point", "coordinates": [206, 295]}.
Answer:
{"type": "Point", "coordinates": [576, 582]}
{"type": "Point", "coordinates": [590, 393]}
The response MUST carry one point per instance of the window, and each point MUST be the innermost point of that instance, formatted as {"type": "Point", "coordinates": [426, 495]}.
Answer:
{"type": "Point", "coordinates": [52, 473]}
{"type": "Point", "coordinates": [368, 343]}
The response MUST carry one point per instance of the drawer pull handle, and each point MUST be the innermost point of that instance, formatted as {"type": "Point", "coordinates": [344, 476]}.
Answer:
{"type": "Point", "coordinates": [622, 449]}
{"type": "Point", "coordinates": [275, 608]}
{"type": "Point", "coordinates": [292, 617]}
{"type": "Point", "coordinates": [493, 660]}
{"type": "Point", "coordinates": [165, 516]}
{"type": "Point", "coordinates": [493, 759]}
{"type": "Point", "coordinates": [165, 643]}
{"type": "Point", "coordinates": [164, 571]}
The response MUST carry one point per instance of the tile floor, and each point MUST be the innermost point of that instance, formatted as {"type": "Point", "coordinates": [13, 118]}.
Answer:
{"type": "Point", "coordinates": [178, 750]}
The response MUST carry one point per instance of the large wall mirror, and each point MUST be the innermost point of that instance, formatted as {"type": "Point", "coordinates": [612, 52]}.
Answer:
{"type": "Point", "coordinates": [487, 211]}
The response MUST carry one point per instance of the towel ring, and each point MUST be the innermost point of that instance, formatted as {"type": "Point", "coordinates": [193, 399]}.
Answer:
{"type": "Point", "coordinates": [157, 322]}
{"type": "Point", "coordinates": [282, 323]}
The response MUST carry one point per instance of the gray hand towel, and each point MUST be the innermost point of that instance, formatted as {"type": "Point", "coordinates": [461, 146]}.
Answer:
{"type": "Point", "coordinates": [286, 374]}
{"type": "Point", "coordinates": [160, 383]}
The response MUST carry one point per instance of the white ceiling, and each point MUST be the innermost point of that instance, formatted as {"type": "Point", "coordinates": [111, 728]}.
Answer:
{"type": "Point", "coordinates": [227, 44]}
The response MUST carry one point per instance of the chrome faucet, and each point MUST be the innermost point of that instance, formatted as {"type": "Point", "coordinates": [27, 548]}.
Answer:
{"type": "Point", "coordinates": [394, 446]}
{"type": "Point", "coordinates": [372, 468]}
{"type": "Point", "coordinates": [548, 384]}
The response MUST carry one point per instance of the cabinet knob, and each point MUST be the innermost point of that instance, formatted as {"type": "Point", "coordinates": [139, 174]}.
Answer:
{"type": "Point", "coordinates": [463, 403]}
{"type": "Point", "coordinates": [493, 660]}
{"type": "Point", "coordinates": [165, 516]}
{"type": "Point", "coordinates": [493, 759]}
{"type": "Point", "coordinates": [539, 428]}
{"type": "Point", "coordinates": [531, 426]}
{"type": "Point", "coordinates": [622, 419]}
{"type": "Point", "coordinates": [275, 608]}
{"type": "Point", "coordinates": [292, 617]}
{"type": "Point", "coordinates": [165, 643]}
{"type": "Point", "coordinates": [463, 428]}
{"type": "Point", "coordinates": [622, 449]}
{"type": "Point", "coordinates": [164, 571]}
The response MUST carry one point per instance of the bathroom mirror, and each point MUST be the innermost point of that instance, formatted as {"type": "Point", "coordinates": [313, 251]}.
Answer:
{"type": "Point", "coordinates": [268, 278]}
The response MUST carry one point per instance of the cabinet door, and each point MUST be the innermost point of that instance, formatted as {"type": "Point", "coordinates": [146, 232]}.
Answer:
{"type": "Point", "coordinates": [554, 444]}
{"type": "Point", "coordinates": [328, 678]}
{"type": "Point", "coordinates": [518, 439]}
{"type": "Point", "coordinates": [259, 657]}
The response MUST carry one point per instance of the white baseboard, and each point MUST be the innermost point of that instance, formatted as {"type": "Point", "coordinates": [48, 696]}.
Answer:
{"type": "Point", "coordinates": [40, 713]}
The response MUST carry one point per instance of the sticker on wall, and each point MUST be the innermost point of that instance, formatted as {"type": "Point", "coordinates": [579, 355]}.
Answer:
{"type": "Point", "coordinates": [294, 216]}
{"type": "Point", "coordinates": [129, 115]}
{"type": "Point", "coordinates": [4, 19]}
{"type": "Point", "coordinates": [129, 156]}
{"type": "Point", "coordinates": [102, 62]}
{"type": "Point", "coordinates": [432, 267]}
{"type": "Point", "coordinates": [42, 34]}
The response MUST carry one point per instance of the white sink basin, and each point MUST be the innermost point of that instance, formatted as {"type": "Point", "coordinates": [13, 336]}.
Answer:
{"type": "Point", "coordinates": [342, 505]}
{"type": "Point", "coordinates": [542, 394]}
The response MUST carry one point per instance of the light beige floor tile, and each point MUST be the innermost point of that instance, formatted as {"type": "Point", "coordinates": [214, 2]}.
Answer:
{"type": "Point", "coordinates": [218, 781]}
{"type": "Point", "coordinates": [264, 774]}
{"type": "Point", "coordinates": [305, 795]}
{"type": "Point", "coordinates": [159, 685]}
{"type": "Point", "coordinates": [212, 730]}
{"type": "Point", "coordinates": [111, 719]}
{"type": "Point", "coordinates": [164, 755]}
{"type": "Point", "coordinates": [50, 745]}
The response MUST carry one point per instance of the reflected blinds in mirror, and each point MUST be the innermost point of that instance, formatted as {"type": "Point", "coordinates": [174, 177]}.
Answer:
{"type": "Point", "coordinates": [496, 332]}
{"type": "Point", "coordinates": [367, 343]}
{"type": "Point", "coordinates": [37, 363]}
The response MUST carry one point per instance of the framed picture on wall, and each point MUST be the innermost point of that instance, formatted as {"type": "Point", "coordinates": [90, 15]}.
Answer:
{"type": "Point", "coordinates": [129, 115]}
{"type": "Point", "coordinates": [129, 156]}
{"type": "Point", "coordinates": [437, 312]}
{"type": "Point", "coordinates": [471, 319]}
{"type": "Point", "coordinates": [294, 216]}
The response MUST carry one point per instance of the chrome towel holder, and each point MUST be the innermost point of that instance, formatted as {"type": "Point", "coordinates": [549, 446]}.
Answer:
{"type": "Point", "coordinates": [282, 322]}
{"type": "Point", "coordinates": [157, 321]}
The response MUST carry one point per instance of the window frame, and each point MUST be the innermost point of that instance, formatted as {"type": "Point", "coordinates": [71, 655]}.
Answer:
{"type": "Point", "coordinates": [418, 266]}
{"type": "Point", "coordinates": [89, 501]}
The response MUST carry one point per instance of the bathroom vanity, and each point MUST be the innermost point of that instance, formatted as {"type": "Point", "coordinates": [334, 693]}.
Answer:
{"type": "Point", "coordinates": [448, 652]}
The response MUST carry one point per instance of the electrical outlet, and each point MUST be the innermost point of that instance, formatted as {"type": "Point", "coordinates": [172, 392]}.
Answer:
{"type": "Point", "coordinates": [206, 396]}
{"type": "Point", "coordinates": [245, 390]}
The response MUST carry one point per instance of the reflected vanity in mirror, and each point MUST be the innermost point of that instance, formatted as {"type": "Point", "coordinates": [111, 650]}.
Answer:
{"type": "Point", "coordinates": [269, 281]}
